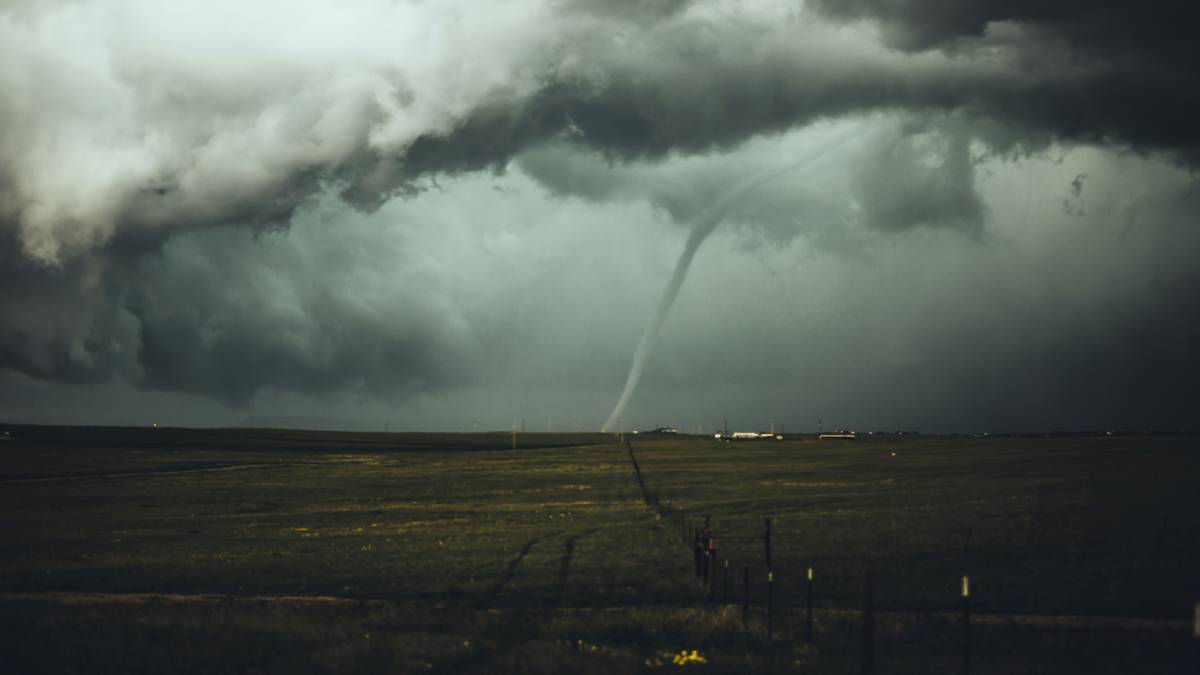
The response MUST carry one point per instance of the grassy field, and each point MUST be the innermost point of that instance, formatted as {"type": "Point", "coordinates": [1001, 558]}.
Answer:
{"type": "Point", "coordinates": [1055, 525]}
{"type": "Point", "coordinates": [164, 550]}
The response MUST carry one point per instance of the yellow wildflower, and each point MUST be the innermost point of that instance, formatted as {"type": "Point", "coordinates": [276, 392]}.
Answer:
{"type": "Point", "coordinates": [684, 657]}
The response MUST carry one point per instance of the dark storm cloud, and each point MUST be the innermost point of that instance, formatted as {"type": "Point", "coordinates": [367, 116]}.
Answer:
{"type": "Point", "coordinates": [222, 315]}
{"type": "Point", "coordinates": [285, 325]}
{"type": "Point", "coordinates": [695, 87]}
{"type": "Point", "coordinates": [64, 325]}
{"type": "Point", "coordinates": [905, 172]}
{"type": "Point", "coordinates": [914, 176]}
{"type": "Point", "coordinates": [135, 145]}
{"type": "Point", "coordinates": [1106, 71]}
{"type": "Point", "coordinates": [1159, 26]}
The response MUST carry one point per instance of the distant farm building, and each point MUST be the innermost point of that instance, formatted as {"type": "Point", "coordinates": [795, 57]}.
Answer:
{"type": "Point", "coordinates": [838, 436]}
{"type": "Point", "coordinates": [749, 436]}
{"type": "Point", "coordinates": [665, 430]}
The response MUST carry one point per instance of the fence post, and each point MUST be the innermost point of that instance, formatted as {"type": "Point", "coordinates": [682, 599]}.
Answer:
{"type": "Point", "coordinates": [808, 608]}
{"type": "Point", "coordinates": [770, 603]}
{"type": "Point", "coordinates": [770, 574]}
{"type": "Point", "coordinates": [966, 624]}
{"type": "Point", "coordinates": [868, 630]}
{"type": "Point", "coordinates": [746, 599]}
{"type": "Point", "coordinates": [767, 540]}
{"type": "Point", "coordinates": [1196, 635]}
{"type": "Point", "coordinates": [725, 584]}
{"type": "Point", "coordinates": [712, 575]}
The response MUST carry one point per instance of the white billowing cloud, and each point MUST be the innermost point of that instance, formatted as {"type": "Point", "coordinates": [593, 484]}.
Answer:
{"type": "Point", "coordinates": [121, 114]}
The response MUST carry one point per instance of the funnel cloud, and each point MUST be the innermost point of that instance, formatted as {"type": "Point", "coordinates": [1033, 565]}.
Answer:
{"type": "Point", "coordinates": [702, 226]}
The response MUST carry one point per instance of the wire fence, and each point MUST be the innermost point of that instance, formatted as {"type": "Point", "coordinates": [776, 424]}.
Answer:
{"type": "Point", "coordinates": [779, 599]}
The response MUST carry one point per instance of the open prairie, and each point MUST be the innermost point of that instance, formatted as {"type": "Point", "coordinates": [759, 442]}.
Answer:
{"type": "Point", "coordinates": [153, 550]}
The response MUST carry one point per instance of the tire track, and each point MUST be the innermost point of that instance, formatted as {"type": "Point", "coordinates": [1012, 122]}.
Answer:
{"type": "Point", "coordinates": [564, 566]}
{"type": "Point", "coordinates": [511, 571]}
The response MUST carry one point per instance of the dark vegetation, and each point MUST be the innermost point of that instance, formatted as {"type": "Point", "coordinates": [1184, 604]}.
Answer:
{"type": "Point", "coordinates": [166, 550]}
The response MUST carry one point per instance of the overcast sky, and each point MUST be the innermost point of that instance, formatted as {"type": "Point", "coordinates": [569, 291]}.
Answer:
{"type": "Point", "coordinates": [962, 215]}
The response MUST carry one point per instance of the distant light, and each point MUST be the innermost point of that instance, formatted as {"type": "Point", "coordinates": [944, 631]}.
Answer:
{"type": "Point", "coordinates": [893, 453]}
{"type": "Point", "coordinates": [155, 425]}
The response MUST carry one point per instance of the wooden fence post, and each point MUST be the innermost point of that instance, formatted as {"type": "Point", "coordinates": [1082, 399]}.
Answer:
{"type": "Point", "coordinates": [767, 540]}
{"type": "Point", "coordinates": [770, 603]}
{"type": "Point", "coordinates": [808, 608]}
{"type": "Point", "coordinates": [966, 625]}
{"type": "Point", "coordinates": [725, 584]}
{"type": "Point", "coordinates": [1196, 635]}
{"type": "Point", "coordinates": [711, 581]}
{"type": "Point", "coordinates": [770, 574]}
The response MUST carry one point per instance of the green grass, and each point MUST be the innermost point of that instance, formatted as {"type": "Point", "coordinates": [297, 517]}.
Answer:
{"type": "Point", "coordinates": [455, 554]}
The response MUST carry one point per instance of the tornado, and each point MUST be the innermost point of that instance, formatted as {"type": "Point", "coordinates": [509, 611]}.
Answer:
{"type": "Point", "coordinates": [703, 225]}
